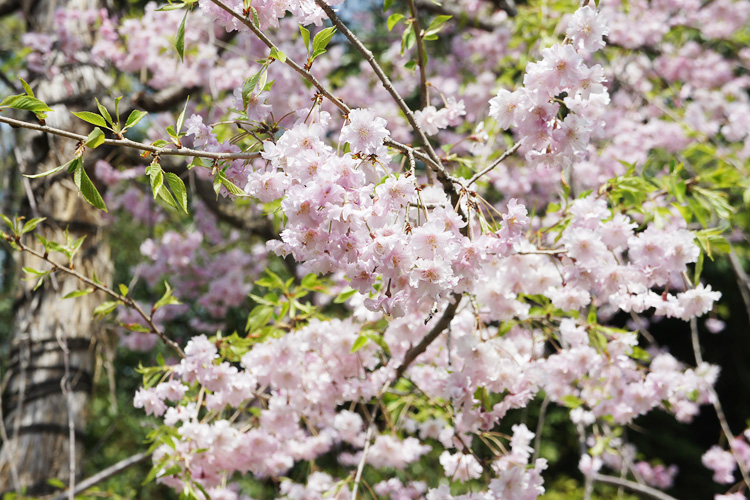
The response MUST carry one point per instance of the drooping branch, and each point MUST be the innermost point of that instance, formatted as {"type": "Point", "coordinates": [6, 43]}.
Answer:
{"type": "Point", "coordinates": [127, 143]}
{"type": "Point", "coordinates": [125, 300]}
{"type": "Point", "coordinates": [343, 107]}
{"type": "Point", "coordinates": [437, 329]}
{"type": "Point", "coordinates": [633, 486]}
{"type": "Point", "coordinates": [495, 163]}
{"type": "Point", "coordinates": [105, 474]}
{"type": "Point", "coordinates": [370, 58]}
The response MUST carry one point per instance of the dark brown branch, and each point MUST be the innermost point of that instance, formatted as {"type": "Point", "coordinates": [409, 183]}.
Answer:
{"type": "Point", "coordinates": [437, 329]}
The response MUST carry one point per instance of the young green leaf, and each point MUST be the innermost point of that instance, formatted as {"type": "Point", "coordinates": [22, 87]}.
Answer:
{"type": "Point", "coordinates": [436, 25]}
{"type": "Point", "coordinates": [179, 42]}
{"type": "Point", "coordinates": [320, 42]}
{"type": "Point", "coordinates": [88, 190]}
{"type": "Point", "coordinates": [92, 118]}
{"type": "Point", "coordinates": [181, 118]}
{"type": "Point", "coordinates": [361, 341]}
{"type": "Point", "coordinates": [134, 118]}
{"type": "Point", "coordinates": [95, 138]}
{"type": "Point", "coordinates": [105, 308]}
{"type": "Point", "coordinates": [167, 298]}
{"type": "Point", "coordinates": [103, 111]}
{"type": "Point", "coordinates": [31, 225]}
{"type": "Point", "coordinates": [78, 293]}
{"type": "Point", "coordinates": [49, 172]}
{"type": "Point", "coordinates": [26, 87]}
{"type": "Point", "coordinates": [393, 20]}
{"type": "Point", "coordinates": [25, 103]}
{"type": "Point", "coordinates": [305, 37]}
{"type": "Point", "coordinates": [178, 189]}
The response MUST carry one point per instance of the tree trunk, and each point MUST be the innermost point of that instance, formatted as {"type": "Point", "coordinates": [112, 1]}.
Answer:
{"type": "Point", "coordinates": [51, 363]}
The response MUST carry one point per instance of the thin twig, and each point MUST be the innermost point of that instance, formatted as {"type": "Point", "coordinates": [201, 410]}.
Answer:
{"type": "Point", "coordinates": [421, 59]}
{"type": "Point", "coordinates": [631, 485]}
{"type": "Point", "coordinates": [127, 301]}
{"type": "Point", "coordinates": [361, 465]}
{"type": "Point", "coordinates": [718, 408]}
{"type": "Point", "coordinates": [370, 58]}
{"type": "Point", "coordinates": [104, 475]}
{"type": "Point", "coordinates": [540, 427]}
{"type": "Point", "coordinates": [743, 281]}
{"type": "Point", "coordinates": [495, 163]}
{"type": "Point", "coordinates": [433, 163]}
{"type": "Point", "coordinates": [437, 329]}
{"type": "Point", "coordinates": [127, 143]}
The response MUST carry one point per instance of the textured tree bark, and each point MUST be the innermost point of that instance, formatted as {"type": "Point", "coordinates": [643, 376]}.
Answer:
{"type": "Point", "coordinates": [42, 406]}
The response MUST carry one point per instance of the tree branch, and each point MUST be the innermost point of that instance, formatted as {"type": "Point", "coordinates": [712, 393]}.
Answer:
{"type": "Point", "coordinates": [631, 485]}
{"type": "Point", "coordinates": [127, 143]}
{"type": "Point", "coordinates": [126, 301]}
{"type": "Point", "coordinates": [424, 97]}
{"type": "Point", "coordinates": [105, 474]}
{"type": "Point", "coordinates": [370, 58]}
{"type": "Point", "coordinates": [495, 163]}
{"type": "Point", "coordinates": [437, 329]}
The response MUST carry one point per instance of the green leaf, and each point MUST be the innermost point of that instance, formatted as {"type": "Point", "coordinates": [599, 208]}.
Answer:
{"type": "Point", "coordinates": [277, 54]}
{"type": "Point", "coordinates": [179, 42]}
{"type": "Point", "coordinates": [436, 25]}
{"type": "Point", "coordinates": [167, 197]}
{"type": "Point", "coordinates": [408, 38]}
{"type": "Point", "coordinates": [95, 138]}
{"type": "Point", "coordinates": [92, 118]}
{"type": "Point", "coordinates": [49, 172]}
{"type": "Point", "coordinates": [249, 86]}
{"type": "Point", "coordinates": [105, 308]}
{"type": "Point", "coordinates": [78, 293]}
{"type": "Point", "coordinates": [26, 87]}
{"type": "Point", "coordinates": [698, 268]}
{"type": "Point", "coordinates": [54, 481]}
{"type": "Point", "coordinates": [571, 401]}
{"type": "Point", "coordinates": [25, 103]}
{"type": "Point", "coordinates": [32, 224]}
{"type": "Point", "coordinates": [123, 289]}
{"type": "Point", "coordinates": [345, 295]}
{"type": "Point", "coordinates": [88, 190]}
{"type": "Point", "coordinates": [305, 37]}
{"type": "Point", "coordinates": [320, 42]}
{"type": "Point", "coordinates": [358, 344]}
{"type": "Point", "coordinates": [134, 118]}
{"type": "Point", "coordinates": [167, 298]}
{"type": "Point", "coordinates": [387, 5]}
{"type": "Point", "coordinates": [34, 272]}
{"type": "Point", "coordinates": [157, 181]}
{"type": "Point", "coordinates": [258, 318]}
{"type": "Point", "coordinates": [171, 6]}
{"type": "Point", "coordinates": [117, 108]}
{"type": "Point", "coordinates": [393, 20]}
{"type": "Point", "coordinates": [181, 118]}
{"type": "Point", "coordinates": [103, 111]}
{"type": "Point", "coordinates": [178, 188]}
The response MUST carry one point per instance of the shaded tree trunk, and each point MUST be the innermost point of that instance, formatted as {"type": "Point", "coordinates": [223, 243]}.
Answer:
{"type": "Point", "coordinates": [51, 362]}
